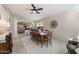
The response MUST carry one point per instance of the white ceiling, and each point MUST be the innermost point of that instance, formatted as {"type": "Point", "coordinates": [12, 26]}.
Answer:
{"type": "Point", "coordinates": [48, 10]}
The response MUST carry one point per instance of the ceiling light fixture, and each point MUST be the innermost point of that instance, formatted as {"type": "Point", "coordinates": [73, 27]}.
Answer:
{"type": "Point", "coordinates": [34, 9]}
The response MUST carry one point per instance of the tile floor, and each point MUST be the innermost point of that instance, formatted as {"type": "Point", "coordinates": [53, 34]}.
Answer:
{"type": "Point", "coordinates": [24, 45]}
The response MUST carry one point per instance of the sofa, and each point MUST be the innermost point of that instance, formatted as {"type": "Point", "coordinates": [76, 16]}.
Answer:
{"type": "Point", "coordinates": [6, 47]}
{"type": "Point", "coordinates": [73, 46]}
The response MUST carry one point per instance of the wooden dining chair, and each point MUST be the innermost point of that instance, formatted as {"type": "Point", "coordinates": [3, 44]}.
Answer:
{"type": "Point", "coordinates": [38, 38]}
{"type": "Point", "coordinates": [50, 33]}
{"type": "Point", "coordinates": [31, 35]}
{"type": "Point", "coordinates": [43, 41]}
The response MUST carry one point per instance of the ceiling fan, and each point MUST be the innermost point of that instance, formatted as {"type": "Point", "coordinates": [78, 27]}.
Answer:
{"type": "Point", "coordinates": [35, 9]}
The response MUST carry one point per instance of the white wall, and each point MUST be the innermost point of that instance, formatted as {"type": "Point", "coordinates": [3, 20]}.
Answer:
{"type": "Point", "coordinates": [25, 20]}
{"type": "Point", "coordinates": [4, 13]}
{"type": "Point", "coordinates": [13, 24]}
{"type": "Point", "coordinates": [68, 25]}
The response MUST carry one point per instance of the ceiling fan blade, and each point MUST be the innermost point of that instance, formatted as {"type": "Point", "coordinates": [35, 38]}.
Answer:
{"type": "Point", "coordinates": [33, 6]}
{"type": "Point", "coordinates": [39, 9]}
{"type": "Point", "coordinates": [29, 9]}
{"type": "Point", "coordinates": [37, 12]}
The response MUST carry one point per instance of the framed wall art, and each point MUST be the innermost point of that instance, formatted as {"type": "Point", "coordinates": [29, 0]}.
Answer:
{"type": "Point", "coordinates": [53, 24]}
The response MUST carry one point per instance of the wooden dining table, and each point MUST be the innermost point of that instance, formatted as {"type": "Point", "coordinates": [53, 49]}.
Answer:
{"type": "Point", "coordinates": [40, 37]}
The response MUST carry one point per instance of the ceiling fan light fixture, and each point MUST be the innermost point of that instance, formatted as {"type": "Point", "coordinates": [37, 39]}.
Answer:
{"type": "Point", "coordinates": [33, 11]}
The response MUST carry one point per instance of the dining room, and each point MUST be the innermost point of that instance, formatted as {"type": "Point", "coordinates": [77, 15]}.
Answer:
{"type": "Point", "coordinates": [39, 40]}
{"type": "Point", "coordinates": [42, 28]}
